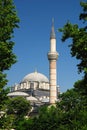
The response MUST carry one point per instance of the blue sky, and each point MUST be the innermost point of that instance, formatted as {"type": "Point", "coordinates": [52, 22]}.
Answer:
{"type": "Point", "coordinates": [32, 40]}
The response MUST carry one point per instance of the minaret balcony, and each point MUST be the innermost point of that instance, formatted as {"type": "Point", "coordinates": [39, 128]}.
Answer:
{"type": "Point", "coordinates": [52, 55]}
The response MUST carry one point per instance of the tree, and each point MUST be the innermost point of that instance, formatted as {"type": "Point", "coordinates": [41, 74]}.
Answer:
{"type": "Point", "coordinates": [76, 101]}
{"type": "Point", "coordinates": [17, 109]}
{"type": "Point", "coordinates": [73, 108]}
{"type": "Point", "coordinates": [79, 39]}
{"type": "Point", "coordinates": [25, 124]}
{"type": "Point", "coordinates": [8, 21]}
{"type": "Point", "coordinates": [78, 47]}
{"type": "Point", "coordinates": [18, 106]}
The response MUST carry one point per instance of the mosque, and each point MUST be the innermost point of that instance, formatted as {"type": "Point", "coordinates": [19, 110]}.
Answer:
{"type": "Point", "coordinates": [36, 87]}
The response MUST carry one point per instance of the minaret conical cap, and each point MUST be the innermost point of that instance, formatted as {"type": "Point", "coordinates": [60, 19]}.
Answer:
{"type": "Point", "coordinates": [52, 34]}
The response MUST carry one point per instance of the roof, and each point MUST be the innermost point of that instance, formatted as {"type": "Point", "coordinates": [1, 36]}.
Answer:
{"type": "Point", "coordinates": [35, 76]}
{"type": "Point", "coordinates": [52, 34]}
{"type": "Point", "coordinates": [12, 94]}
{"type": "Point", "coordinates": [45, 100]}
{"type": "Point", "coordinates": [31, 98]}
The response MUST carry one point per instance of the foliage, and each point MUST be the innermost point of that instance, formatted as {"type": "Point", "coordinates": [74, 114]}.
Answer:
{"type": "Point", "coordinates": [74, 109]}
{"type": "Point", "coordinates": [6, 122]}
{"type": "Point", "coordinates": [79, 39]}
{"type": "Point", "coordinates": [18, 106]}
{"type": "Point", "coordinates": [17, 109]}
{"type": "Point", "coordinates": [83, 15]}
{"type": "Point", "coordinates": [81, 88]}
{"type": "Point", "coordinates": [25, 124]}
{"type": "Point", "coordinates": [8, 21]}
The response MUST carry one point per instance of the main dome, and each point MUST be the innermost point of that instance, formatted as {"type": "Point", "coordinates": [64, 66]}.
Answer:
{"type": "Point", "coordinates": [35, 76]}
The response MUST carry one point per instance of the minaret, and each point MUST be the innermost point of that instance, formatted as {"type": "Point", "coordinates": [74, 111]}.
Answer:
{"type": "Point", "coordinates": [52, 57]}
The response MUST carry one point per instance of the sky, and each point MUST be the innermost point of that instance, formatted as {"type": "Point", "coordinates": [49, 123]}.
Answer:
{"type": "Point", "coordinates": [32, 40]}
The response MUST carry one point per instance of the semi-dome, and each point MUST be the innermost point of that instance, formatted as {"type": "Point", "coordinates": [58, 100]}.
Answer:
{"type": "Point", "coordinates": [35, 76]}
{"type": "Point", "coordinates": [18, 94]}
{"type": "Point", "coordinates": [31, 98]}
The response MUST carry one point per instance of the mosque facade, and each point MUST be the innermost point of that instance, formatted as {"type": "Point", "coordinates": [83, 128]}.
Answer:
{"type": "Point", "coordinates": [35, 86]}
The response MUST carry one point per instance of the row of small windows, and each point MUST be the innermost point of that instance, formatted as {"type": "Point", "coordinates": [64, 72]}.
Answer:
{"type": "Point", "coordinates": [30, 85]}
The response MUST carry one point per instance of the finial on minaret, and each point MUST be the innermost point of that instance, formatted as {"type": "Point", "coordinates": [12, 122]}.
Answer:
{"type": "Point", "coordinates": [53, 21]}
{"type": "Point", "coordinates": [52, 35]}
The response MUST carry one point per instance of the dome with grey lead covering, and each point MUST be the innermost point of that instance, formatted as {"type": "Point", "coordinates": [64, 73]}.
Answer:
{"type": "Point", "coordinates": [17, 94]}
{"type": "Point", "coordinates": [35, 76]}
